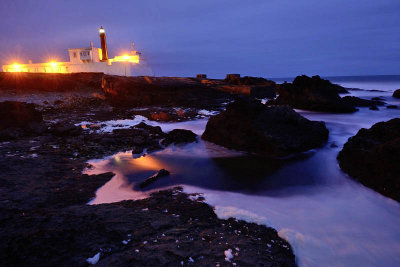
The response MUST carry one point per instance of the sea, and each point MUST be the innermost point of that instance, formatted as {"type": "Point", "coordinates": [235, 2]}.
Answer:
{"type": "Point", "coordinates": [328, 218]}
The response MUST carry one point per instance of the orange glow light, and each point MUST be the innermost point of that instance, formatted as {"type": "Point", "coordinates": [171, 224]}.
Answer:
{"type": "Point", "coordinates": [126, 58]}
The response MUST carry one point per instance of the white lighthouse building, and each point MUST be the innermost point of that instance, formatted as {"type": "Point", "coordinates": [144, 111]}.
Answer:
{"type": "Point", "coordinates": [90, 59]}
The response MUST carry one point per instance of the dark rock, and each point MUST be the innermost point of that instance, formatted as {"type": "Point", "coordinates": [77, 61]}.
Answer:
{"type": "Point", "coordinates": [247, 80]}
{"type": "Point", "coordinates": [377, 99]}
{"type": "Point", "coordinates": [396, 93]}
{"type": "Point", "coordinates": [333, 145]}
{"type": "Point", "coordinates": [372, 157]}
{"type": "Point", "coordinates": [50, 82]}
{"type": "Point", "coordinates": [391, 107]}
{"type": "Point", "coordinates": [313, 94]}
{"type": "Point", "coordinates": [151, 129]}
{"type": "Point", "coordinates": [154, 178]}
{"type": "Point", "coordinates": [138, 140]}
{"type": "Point", "coordinates": [178, 136]}
{"type": "Point", "coordinates": [272, 131]}
{"type": "Point", "coordinates": [15, 114]}
{"type": "Point", "coordinates": [136, 233]}
{"type": "Point", "coordinates": [18, 119]}
{"type": "Point", "coordinates": [163, 91]}
{"type": "Point", "coordinates": [263, 91]}
{"type": "Point", "coordinates": [359, 102]}
{"type": "Point", "coordinates": [137, 150]}
{"type": "Point", "coordinates": [373, 108]}
{"type": "Point", "coordinates": [65, 129]}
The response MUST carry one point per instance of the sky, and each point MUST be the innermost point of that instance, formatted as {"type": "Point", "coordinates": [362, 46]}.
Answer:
{"type": "Point", "coordinates": [267, 38]}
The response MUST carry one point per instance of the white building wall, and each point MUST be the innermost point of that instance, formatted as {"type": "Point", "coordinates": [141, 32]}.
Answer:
{"type": "Point", "coordinates": [116, 68]}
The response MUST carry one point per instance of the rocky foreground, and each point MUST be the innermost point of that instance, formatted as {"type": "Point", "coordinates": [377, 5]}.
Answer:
{"type": "Point", "coordinates": [44, 218]}
{"type": "Point", "coordinates": [44, 147]}
{"type": "Point", "coordinates": [372, 157]}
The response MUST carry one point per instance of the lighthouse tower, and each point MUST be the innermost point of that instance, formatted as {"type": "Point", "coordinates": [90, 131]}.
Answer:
{"type": "Point", "coordinates": [104, 52]}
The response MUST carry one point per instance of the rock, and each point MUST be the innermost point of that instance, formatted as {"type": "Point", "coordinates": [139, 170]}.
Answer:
{"type": "Point", "coordinates": [254, 86]}
{"type": "Point", "coordinates": [359, 102]}
{"type": "Point", "coordinates": [263, 92]}
{"type": "Point", "coordinates": [373, 108]}
{"type": "Point", "coordinates": [65, 129]}
{"type": "Point", "coordinates": [162, 91]}
{"type": "Point", "coordinates": [391, 107]}
{"type": "Point", "coordinates": [15, 114]}
{"type": "Point", "coordinates": [18, 119]}
{"type": "Point", "coordinates": [333, 145]}
{"type": "Point", "coordinates": [137, 150]}
{"type": "Point", "coordinates": [247, 80]}
{"type": "Point", "coordinates": [160, 116]}
{"type": "Point", "coordinates": [152, 179]}
{"type": "Point", "coordinates": [250, 126]}
{"type": "Point", "coordinates": [138, 140]}
{"type": "Point", "coordinates": [377, 99]}
{"type": "Point", "coordinates": [178, 136]}
{"type": "Point", "coordinates": [313, 94]}
{"type": "Point", "coordinates": [396, 93]}
{"type": "Point", "coordinates": [151, 129]}
{"type": "Point", "coordinates": [372, 157]}
{"type": "Point", "coordinates": [50, 82]}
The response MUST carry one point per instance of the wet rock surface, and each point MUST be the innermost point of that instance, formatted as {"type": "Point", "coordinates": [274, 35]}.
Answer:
{"type": "Point", "coordinates": [248, 125]}
{"type": "Point", "coordinates": [372, 157]}
{"type": "Point", "coordinates": [313, 93]}
{"type": "Point", "coordinates": [396, 93]}
{"type": "Point", "coordinates": [165, 229]}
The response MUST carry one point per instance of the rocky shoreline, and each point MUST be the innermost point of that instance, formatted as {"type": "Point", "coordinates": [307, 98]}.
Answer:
{"type": "Point", "coordinates": [45, 146]}
{"type": "Point", "coordinates": [45, 219]}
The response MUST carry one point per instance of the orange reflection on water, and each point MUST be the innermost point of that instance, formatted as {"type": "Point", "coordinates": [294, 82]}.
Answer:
{"type": "Point", "coordinates": [146, 163]}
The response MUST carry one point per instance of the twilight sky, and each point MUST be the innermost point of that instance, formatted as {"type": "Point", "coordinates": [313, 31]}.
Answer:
{"type": "Point", "coordinates": [268, 38]}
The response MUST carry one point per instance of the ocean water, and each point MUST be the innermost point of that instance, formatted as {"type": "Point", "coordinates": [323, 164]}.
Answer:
{"type": "Point", "coordinates": [328, 218]}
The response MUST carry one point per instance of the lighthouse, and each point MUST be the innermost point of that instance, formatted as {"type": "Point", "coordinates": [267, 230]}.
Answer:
{"type": "Point", "coordinates": [104, 53]}
{"type": "Point", "coordinates": [90, 59]}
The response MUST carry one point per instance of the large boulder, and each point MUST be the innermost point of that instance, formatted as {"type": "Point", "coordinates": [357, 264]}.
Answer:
{"type": "Point", "coordinates": [396, 93]}
{"type": "Point", "coordinates": [313, 94]}
{"type": "Point", "coordinates": [248, 125]}
{"type": "Point", "coordinates": [19, 119]}
{"type": "Point", "coordinates": [372, 157]}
